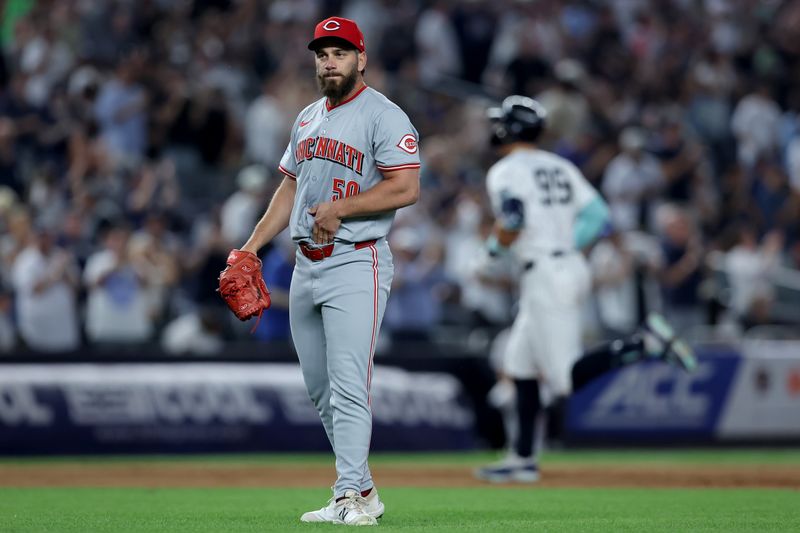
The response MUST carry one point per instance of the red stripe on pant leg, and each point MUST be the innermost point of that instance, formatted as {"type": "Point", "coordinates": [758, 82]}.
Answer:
{"type": "Point", "coordinates": [374, 319]}
{"type": "Point", "coordinates": [374, 332]}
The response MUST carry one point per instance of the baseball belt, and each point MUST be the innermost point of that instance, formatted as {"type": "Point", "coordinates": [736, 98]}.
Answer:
{"type": "Point", "coordinates": [318, 253]}
{"type": "Point", "coordinates": [529, 265]}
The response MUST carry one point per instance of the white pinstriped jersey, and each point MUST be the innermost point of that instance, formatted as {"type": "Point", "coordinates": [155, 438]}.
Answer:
{"type": "Point", "coordinates": [338, 152]}
{"type": "Point", "coordinates": [540, 193]}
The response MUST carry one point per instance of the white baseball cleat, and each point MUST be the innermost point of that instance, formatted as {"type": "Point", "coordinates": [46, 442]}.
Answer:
{"type": "Point", "coordinates": [326, 514]}
{"type": "Point", "coordinates": [351, 510]}
{"type": "Point", "coordinates": [374, 507]}
{"type": "Point", "coordinates": [511, 468]}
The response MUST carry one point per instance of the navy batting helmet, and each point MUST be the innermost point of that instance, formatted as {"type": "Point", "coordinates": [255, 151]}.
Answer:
{"type": "Point", "coordinates": [518, 118]}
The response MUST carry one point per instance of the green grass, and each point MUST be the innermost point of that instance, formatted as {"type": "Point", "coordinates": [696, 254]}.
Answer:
{"type": "Point", "coordinates": [540, 509]}
{"type": "Point", "coordinates": [408, 510]}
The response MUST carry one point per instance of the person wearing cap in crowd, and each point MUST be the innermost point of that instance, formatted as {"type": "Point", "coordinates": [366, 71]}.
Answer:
{"type": "Point", "coordinates": [352, 161]}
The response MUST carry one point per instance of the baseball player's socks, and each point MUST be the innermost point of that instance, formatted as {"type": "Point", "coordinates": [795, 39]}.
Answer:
{"type": "Point", "coordinates": [553, 428]}
{"type": "Point", "coordinates": [511, 468]}
{"type": "Point", "coordinates": [594, 363]}
{"type": "Point", "coordinates": [528, 405]}
{"type": "Point", "coordinates": [608, 356]}
{"type": "Point", "coordinates": [350, 509]}
{"type": "Point", "coordinates": [519, 464]}
{"type": "Point", "coordinates": [661, 341]}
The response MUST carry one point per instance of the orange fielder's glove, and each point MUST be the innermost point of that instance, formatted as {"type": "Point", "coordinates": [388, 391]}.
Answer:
{"type": "Point", "coordinates": [242, 286]}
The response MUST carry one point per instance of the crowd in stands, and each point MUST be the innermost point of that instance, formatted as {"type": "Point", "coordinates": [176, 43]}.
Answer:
{"type": "Point", "coordinates": [139, 143]}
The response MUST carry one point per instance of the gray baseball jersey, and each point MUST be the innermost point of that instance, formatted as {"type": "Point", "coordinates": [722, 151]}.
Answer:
{"type": "Point", "coordinates": [338, 152]}
{"type": "Point", "coordinates": [336, 303]}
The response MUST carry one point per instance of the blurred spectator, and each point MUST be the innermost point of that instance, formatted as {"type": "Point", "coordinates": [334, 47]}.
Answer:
{"type": "Point", "coordinates": [712, 81]}
{"type": "Point", "coordinates": [686, 170]}
{"type": "Point", "coordinates": [517, 61]}
{"type": "Point", "coordinates": [278, 265]}
{"type": "Point", "coordinates": [43, 58]}
{"type": "Point", "coordinates": [567, 108]}
{"type": "Point", "coordinates": [195, 333]}
{"type": "Point", "coordinates": [120, 111]}
{"type": "Point", "coordinates": [772, 195]}
{"type": "Point", "coordinates": [624, 266]}
{"type": "Point", "coordinates": [614, 279]}
{"type": "Point", "coordinates": [631, 179]}
{"type": "Point", "coordinates": [755, 125]}
{"type": "Point", "coordinates": [155, 251]}
{"type": "Point", "coordinates": [18, 137]}
{"type": "Point", "coordinates": [46, 197]}
{"type": "Point", "coordinates": [9, 175]}
{"type": "Point", "coordinates": [487, 297]}
{"type": "Point", "coordinates": [117, 307]}
{"type": "Point", "coordinates": [242, 210]}
{"type": "Point", "coordinates": [730, 27]}
{"type": "Point", "coordinates": [372, 17]}
{"type": "Point", "coordinates": [475, 26]}
{"type": "Point", "coordinates": [206, 259]}
{"type": "Point", "coordinates": [154, 188]}
{"type": "Point", "coordinates": [266, 127]}
{"type": "Point", "coordinates": [793, 159]}
{"type": "Point", "coordinates": [414, 304]}
{"type": "Point", "coordinates": [74, 234]}
{"type": "Point", "coordinates": [748, 266]}
{"type": "Point", "coordinates": [528, 70]}
{"type": "Point", "coordinates": [17, 236]}
{"type": "Point", "coordinates": [681, 272]}
{"type": "Point", "coordinates": [437, 45]}
{"type": "Point", "coordinates": [107, 30]}
{"type": "Point", "coordinates": [8, 338]}
{"type": "Point", "coordinates": [680, 162]}
{"type": "Point", "coordinates": [45, 280]}
{"type": "Point", "coordinates": [212, 113]}
{"type": "Point", "coordinates": [463, 235]}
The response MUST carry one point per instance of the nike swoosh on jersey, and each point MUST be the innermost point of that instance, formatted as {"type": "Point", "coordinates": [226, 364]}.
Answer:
{"type": "Point", "coordinates": [304, 123]}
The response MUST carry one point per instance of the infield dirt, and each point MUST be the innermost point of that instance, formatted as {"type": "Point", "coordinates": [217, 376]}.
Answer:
{"type": "Point", "coordinates": [160, 475]}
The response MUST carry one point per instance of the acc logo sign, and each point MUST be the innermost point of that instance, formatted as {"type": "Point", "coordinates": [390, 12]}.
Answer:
{"type": "Point", "coordinates": [332, 25]}
{"type": "Point", "coordinates": [408, 144]}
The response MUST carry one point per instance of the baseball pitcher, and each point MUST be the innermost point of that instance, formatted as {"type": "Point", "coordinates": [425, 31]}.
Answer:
{"type": "Point", "coordinates": [351, 162]}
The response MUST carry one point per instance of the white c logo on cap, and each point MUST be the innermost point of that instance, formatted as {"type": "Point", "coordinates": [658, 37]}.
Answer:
{"type": "Point", "coordinates": [331, 25]}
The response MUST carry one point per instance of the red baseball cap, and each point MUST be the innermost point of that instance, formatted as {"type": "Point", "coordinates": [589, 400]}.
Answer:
{"type": "Point", "coordinates": [339, 28]}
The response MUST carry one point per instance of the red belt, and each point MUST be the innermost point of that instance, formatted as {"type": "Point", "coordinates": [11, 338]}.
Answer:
{"type": "Point", "coordinates": [318, 253]}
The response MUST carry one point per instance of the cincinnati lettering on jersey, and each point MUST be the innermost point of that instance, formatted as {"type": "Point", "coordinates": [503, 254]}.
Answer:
{"type": "Point", "coordinates": [330, 150]}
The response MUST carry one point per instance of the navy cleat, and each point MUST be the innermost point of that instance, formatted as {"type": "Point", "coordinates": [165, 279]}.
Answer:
{"type": "Point", "coordinates": [511, 469]}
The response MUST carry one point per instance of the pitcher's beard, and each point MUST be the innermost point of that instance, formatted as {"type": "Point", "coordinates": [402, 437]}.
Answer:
{"type": "Point", "coordinates": [337, 88]}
